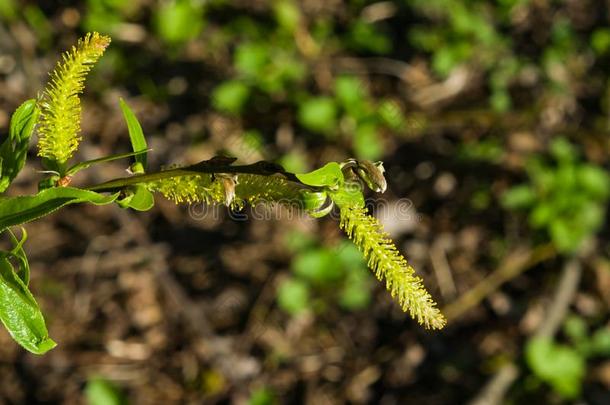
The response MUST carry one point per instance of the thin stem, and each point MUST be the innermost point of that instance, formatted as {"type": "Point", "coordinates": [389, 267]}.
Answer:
{"type": "Point", "coordinates": [514, 264]}
{"type": "Point", "coordinates": [86, 164]}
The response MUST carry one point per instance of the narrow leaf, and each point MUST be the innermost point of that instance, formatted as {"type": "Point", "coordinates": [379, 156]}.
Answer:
{"type": "Point", "coordinates": [14, 149]}
{"type": "Point", "coordinates": [19, 210]}
{"type": "Point", "coordinates": [86, 164]}
{"type": "Point", "coordinates": [138, 142]}
{"type": "Point", "coordinates": [23, 270]}
{"type": "Point", "coordinates": [20, 313]}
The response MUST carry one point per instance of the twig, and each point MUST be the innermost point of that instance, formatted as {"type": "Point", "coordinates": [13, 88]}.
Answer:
{"type": "Point", "coordinates": [442, 271]}
{"type": "Point", "coordinates": [568, 285]}
{"type": "Point", "coordinates": [494, 391]}
{"type": "Point", "coordinates": [379, 11]}
{"type": "Point", "coordinates": [262, 168]}
{"type": "Point", "coordinates": [514, 264]}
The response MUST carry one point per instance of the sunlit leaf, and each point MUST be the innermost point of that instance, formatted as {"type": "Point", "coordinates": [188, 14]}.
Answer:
{"type": "Point", "coordinates": [138, 142]}
{"type": "Point", "coordinates": [20, 313]}
{"type": "Point", "coordinates": [19, 210]}
{"type": "Point", "coordinates": [328, 176]}
{"type": "Point", "coordinates": [13, 150]}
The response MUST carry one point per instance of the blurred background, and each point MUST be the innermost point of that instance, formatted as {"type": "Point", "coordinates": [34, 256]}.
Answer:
{"type": "Point", "coordinates": [492, 119]}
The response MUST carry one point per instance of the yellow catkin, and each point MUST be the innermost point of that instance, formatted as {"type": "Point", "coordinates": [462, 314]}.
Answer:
{"type": "Point", "coordinates": [256, 189]}
{"type": "Point", "coordinates": [189, 189]}
{"type": "Point", "coordinates": [250, 188]}
{"type": "Point", "coordinates": [387, 263]}
{"type": "Point", "coordinates": [59, 124]}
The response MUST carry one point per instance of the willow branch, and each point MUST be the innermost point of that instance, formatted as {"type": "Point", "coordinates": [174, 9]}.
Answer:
{"type": "Point", "coordinates": [261, 168]}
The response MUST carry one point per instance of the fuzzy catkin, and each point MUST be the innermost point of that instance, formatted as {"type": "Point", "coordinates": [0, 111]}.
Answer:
{"type": "Point", "coordinates": [59, 124]}
{"type": "Point", "coordinates": [250, 188]}
{"type": "Point", "coordinates": [387, 263]}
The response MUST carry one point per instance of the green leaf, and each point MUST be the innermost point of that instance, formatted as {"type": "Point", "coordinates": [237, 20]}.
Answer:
{"type": "Point", "coordinates": [19, 210]}
{"type": "Point", "coordinates": [364, 36]}
{"type": "Point", "coordinates": [542, 214]}
{"type": "Point", "coordinates": [100, 391]}
{"type": "Point", "coordinates": [294, 161]}
{"type": "Point", "coordinates": [293, 296]}
{"type": "Point", "coordinates": [350, 93]}
{"type": "Point", "coordinates": [20, 313]}
{"type": "Point", "coordinates": [351, 258]}
{"type": "Point", "coordinates": [140, 199]}
{"type": "Point", "coordinates": [449, 56]}
{"type": "Point", "coordinates": [328, 176]}
{"type": "Point", "coordinates": [287, 14]}
{"type": "Point", "coordinates": [23, 121]}
{"type": "Point", "coordinates": [319, 266]}
{"type": "Point", "coordinates": [565, 236]}
{"type": "Point", "coordinates": [88, 163]}
{"type": "Point", "coordinates": [562, 150]}
{"type": "Point", "coordinates": [559, 365]}
{"type": "Point", "coordinates": [367, 143]}
{"type": "Point", "coordinates": [391, 115]}
{"type": "Point", "coordinates": [9, 10]}
{"type": "Point", "coordinates": [500, 100]}
{"type": "Point", "coordinates": [593, 180]}
{"type": "Point", "coordinates": [520, 196]}
{"type": "Point", "coordinates": [575, 328]}
{"type": "Point", "coordinates": [296, 241]}
{"type": "Point", "coordinates": [262, 396]}
{"type": "Point", "coordinates": [349, 194]}
{"type": "Point", "coordinates": [600, 342]}
{"type": "Point", "coordinates": [316, 204]}
{"type": "Point", "coordinates": [318, 114]}
{"type": "Point", "coordinates": [13, 150]}
{"type": "Point", "coordinates": [600, 40]}
{"type": "Point", "coordinates": [355, 294]}
{"type": "Point", "coordinates": [179, 21]}
{"type": "Point", "coordinates": [23, 271]}
{"type": "Point", "coordinates": [231, 96]}
{"type": "Point", "coordinates": [138, 142]}
{"type": "Point", "coordinates": [251, 58]}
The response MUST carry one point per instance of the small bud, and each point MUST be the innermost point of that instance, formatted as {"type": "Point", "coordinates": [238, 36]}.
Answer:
{"type": "Point", "coordinates": [370, 172]}
{"type": "Point", "coordinates": [136, 168]}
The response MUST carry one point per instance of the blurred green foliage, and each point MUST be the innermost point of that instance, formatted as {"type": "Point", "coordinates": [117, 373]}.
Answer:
{"type": "Point", "coordinates": [106, 15]}
{"type": "Point", "coordinates": [100, 391]}
{"type": "Point", "coordinates": [559, 365]}
{"type": "Point", "coordinates": [262, 396]}
{"type": "Point", "coordinates": [270, 67]}
{"type": "Point", "coordinates": [178, 21]}
{"type": "Point", "coordinates": [8, 10]}
{"type": "Point", "coordinates": [566, 198]}
{"type": "Point", "coordinates": [465, 32]}
{"type": "Point", "coordinates": [564, 366]}
{"type": "Point", "coordinates": [323, 276]}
